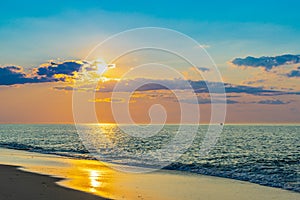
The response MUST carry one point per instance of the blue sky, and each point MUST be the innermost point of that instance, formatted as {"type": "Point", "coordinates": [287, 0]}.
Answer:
{"type": "Point", "coordinates": [281, 12]}
{"type": "Point", "coordinates": [34, 31]}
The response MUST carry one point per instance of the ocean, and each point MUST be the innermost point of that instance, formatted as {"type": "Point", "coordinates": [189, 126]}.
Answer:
{"type": "Point", "coordinates": [264, 154]}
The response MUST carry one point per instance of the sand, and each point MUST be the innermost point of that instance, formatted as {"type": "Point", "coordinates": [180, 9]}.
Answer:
{"type": "Point", "coordinates": [98, 179]}
{"type": "Point", "coordinates": [16, 184]}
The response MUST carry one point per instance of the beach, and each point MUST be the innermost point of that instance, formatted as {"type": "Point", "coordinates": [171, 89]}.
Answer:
{"type": "Point", "coordinates": [146, 100]}
{"type": "Point", "coordinates": [28, 175]}
{"type": "Point", "coordinates": [17, 184]}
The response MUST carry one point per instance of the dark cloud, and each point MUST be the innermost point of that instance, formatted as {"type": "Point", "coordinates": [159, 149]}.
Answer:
{"type": "Point", "coordinates": [267, 62]}
{"type": "Point", "coordinates": [216, 87]}
{"type": "Point", "coordinates": [152, 86]}
{"type": "Point", "coordinates": [69, 88]}
{"type": "Point", "coordinates": [229, 101]}
{"type": "Point", "coordinates": [208, 101]}
{"type": "Point", "coordinates": [272, 102]}
{"type": "Point", "coordinates": [141, 84]}
{"type": "Point", "coordinates": [11, 75]}
{"type": "Point", "coordinates": [66, 68]}
{"type": "Point", "coordinates": [254, 82]}
{"type": "Point", "coordinates": [203, 69]}
{"type": "Point", "coordinates": [258, 91]}
{"type": "Point", "coordinates": [249, 90]}
{"type": "Point", "coordinates": [294, 73]}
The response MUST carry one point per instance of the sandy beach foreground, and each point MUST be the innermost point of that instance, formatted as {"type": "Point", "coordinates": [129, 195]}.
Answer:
{"type": "Point", "coordinates": [16, 184]}
{"type": "Point", "coordinates": [65, 178]}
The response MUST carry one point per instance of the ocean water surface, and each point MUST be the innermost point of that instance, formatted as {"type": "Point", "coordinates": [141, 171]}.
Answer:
{"type": "Point", "coordinates": [264, 154]}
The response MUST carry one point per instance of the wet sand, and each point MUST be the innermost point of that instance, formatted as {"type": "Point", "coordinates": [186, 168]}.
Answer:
{"type": "Point", "coordinates": [16, 184]}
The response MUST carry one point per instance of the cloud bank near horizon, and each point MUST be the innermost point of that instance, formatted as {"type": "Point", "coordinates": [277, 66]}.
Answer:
{"type": "Point", "coordinates": [66, 70]}
{"type": "Point", "coordinates": [198, 87]}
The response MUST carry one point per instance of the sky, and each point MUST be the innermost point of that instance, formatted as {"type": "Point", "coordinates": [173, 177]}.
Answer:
{"type": "Point", "coordinates": [254, 44]}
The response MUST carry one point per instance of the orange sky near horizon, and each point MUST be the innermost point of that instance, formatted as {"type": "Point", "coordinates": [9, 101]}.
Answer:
{"type": "Point", "coordinates": [40, 103]}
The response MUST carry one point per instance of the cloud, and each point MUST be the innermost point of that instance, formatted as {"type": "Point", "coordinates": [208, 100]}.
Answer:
{"type": "Point", "coordinates": [203, 69]}
{"type": "Point", "coordinates": [260, 91]}
{"type": "Point", "coordinates": [267, 62]}
{"type": "Point", "coordinates": [68, 88]}
{"type": "Point", "coordinates": [228, 101]}
{"type": "Point", "coordinates": [50, 72]}
{"type": "Point", "coordinates": [199, 87]}
{"type": "Point", "coordinates": [152, 86]}
{"type": "Point", "coordinates": [143, 84]}
{"type": "Point", "coordinates": [294, 73]}
{"type": "Point", "coordinates": [208, 101]}
{"type": "Point", "coordinates": [272, 102]}
{"type": "Point", "coordinates": [108, 100]}
{"type": "Point", "coordinates": [65, 68]}
{"type": "Point", "coordinates": [232, 96]}
{"type": "Point", "coordinates": [11, 75]}
{"type": "Point", "coordinates": [217, 87]}
{"type": "Point", "coordinates": [64, 71]}
{"type": "Point", "coordinates": [254, 82]}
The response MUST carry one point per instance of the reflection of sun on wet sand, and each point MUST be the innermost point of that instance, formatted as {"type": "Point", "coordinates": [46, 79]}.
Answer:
{"type": "Point", "coordinates": [95, 178]}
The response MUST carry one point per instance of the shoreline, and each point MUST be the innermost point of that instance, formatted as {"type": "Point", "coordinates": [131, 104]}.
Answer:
{"type": "Point", "coordinates": [167, 170]}
{"type": "Point", "coordinates": [96, 178]}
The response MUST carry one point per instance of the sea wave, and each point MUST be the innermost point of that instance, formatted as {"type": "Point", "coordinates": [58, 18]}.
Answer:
{"type": "Point", "coordinates": [266, 155]}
